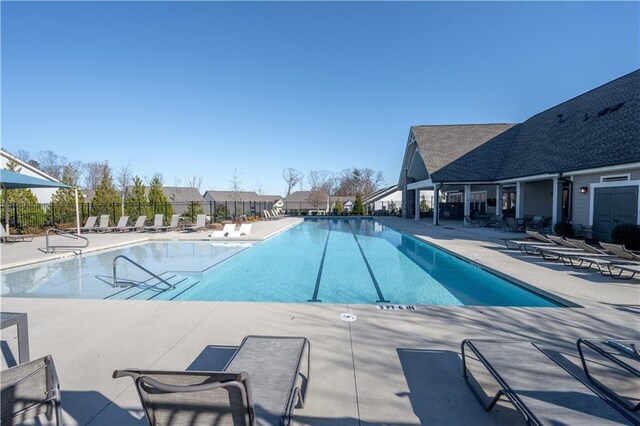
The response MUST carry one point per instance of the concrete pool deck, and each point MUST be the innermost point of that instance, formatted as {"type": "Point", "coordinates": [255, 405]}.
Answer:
{"type": "Point", "coordinates": [387, 367]}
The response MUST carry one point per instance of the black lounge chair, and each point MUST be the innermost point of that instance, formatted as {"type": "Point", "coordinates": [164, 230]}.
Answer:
{"type": "Point", "coordinates": [29, 390]}
{"type": "Point", "coordinates": [540, 390]}
{"type": "Point", "coordinates": [260, 385]}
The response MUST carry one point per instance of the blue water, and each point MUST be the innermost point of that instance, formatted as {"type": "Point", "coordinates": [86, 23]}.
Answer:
{"type": "Point", "coordinates": [317, 261]}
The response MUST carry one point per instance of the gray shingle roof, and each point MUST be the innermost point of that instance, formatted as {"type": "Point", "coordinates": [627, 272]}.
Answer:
{"type": "Point", "coordinates": [221, 196]}
{"type": "Point", "coordinates": [304, 196]}
{"type": "Point", "coordinates": [598, 128]}
{"type": "Point", "coordinates": [181, 194]}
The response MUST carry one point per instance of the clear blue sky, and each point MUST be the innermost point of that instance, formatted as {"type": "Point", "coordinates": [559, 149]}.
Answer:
{"type": "Point", "coordinates": [202, 88]}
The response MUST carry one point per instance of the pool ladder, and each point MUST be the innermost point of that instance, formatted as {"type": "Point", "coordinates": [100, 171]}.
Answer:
{"type": "Point", "coordinates": [123, 283]}
{"type": "Point", "coordinates": [76, 249]}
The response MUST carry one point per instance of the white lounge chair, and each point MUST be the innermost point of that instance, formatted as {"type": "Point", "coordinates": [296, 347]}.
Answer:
{"type": "Point", "coordinates": [103, 225]}
{"type": "Point", "coordinates": [266, 215]}
{"type": "Point", "coordinates": [139, 225]}
{"type": "Point", "coordinates": [230, 227]}
{"type": "Point", "coordinates": [89, 225]}
{"type": "Point", "coordinates": [158, 224]}
{"type": "Point", "coordinates": [245, 229]}
{"type": "Point", "coordinates": [121, 226]}
{"type": "Point", "coordinates": [201, 223]}
{"type": "Point", "coordinates": [6, 238]}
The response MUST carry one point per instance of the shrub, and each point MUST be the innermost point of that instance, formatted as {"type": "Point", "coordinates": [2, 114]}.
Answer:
{"type": "Point", "coordinates": [563, 229]}
{"type": "Point", "coordinates": [627, 234]}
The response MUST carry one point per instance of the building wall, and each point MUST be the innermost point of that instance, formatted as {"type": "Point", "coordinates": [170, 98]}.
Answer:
{"type": "Point", "coordinates": [581, 212]}
{"type": "Point", "coordinates": [538, 199]}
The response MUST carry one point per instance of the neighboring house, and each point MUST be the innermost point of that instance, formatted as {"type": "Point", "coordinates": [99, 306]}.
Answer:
{"type": "Point", "coordinates": [182, 198]}
{"type": "Point", "coordinates": [578, 161]}
{"type": "Point", "coordinates": [88, 194]}
{"type": "Point", "coordinates": [274, 201]}
{"type": "Point", "coordinates": [42, 194]}
{"type": "Point", "coordinates": [241, 202]}
{"type": "Point", "coordinates": [346, 200]}
{"type": "Point", "coordinates": [313, 202]}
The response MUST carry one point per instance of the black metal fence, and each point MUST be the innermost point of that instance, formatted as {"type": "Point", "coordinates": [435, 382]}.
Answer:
{"type": "Point", "coordinates": [56, 214]}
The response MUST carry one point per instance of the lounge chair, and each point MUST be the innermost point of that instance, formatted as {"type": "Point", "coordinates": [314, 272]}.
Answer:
{"type": "Point", "coordinates": [527, 245]}
{"type": "Point", "coordinates": [201, 223]}
{"type": "Point", "coordinates": [103, 224]}
{"type": "Point", "coordinates": [613, 267]}
{"type": "Point", "coordinates": [620, 251]}
{"type": "Point", "coordinates": [230, 227]}
{"type": "Point", "coordinates": [173, 223]}
{"type": "Point", "coordinates": [6, 238]}
{"type": "Point", "coordinates": [266, 215]}
{"type": "Point", "coordinates": [139, 225]}
{"type": "Point", "coordinates": [261, 384]}
{"type": "Point", "coordinates": [121, 226]}
{"type": "Point", "coordinates": [244, 229]}
{"type": "Point", "coordinates": [29, 390]}
{"type": "Point", "coordinates": [467, 221]}
{"type": "Point", "coordinates": [540, 390]}
{"type": "Point", "coordinates": [158, 224]}
{"type": "Point", "coordinates": [89, 225]}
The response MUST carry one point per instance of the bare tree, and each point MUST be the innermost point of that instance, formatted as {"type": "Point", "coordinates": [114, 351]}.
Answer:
{"type": "Point", "coordinates": [124, 175]}
{"type": "Point", "coordinates": [292, 177]}
{"type": "Point", "coordinates": [177, 181]}
{"type": "Point", "coordinates": [93, 174]}
{"type": "Point", "coordinates": [51, 163]}
{"type": "Point", "coordinates": [260, 189]}
{"type": "Point", "coordinates": [318, 181]}
{"type": "Point", "coordinates": [364, 181]}
{"type": "Point", "coordinates": [194, 181]}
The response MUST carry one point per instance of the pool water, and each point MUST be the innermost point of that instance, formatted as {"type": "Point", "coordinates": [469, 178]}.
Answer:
{"type": "Point", "coordinates": [317, 261]}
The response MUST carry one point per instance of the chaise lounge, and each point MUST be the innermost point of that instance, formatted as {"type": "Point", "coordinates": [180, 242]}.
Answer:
{"type": "Point", "coordinates": [6, 238]}
{"type": "Point", "coordinates": [260, 385]}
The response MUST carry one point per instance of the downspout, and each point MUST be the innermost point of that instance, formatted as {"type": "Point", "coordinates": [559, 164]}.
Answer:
{"type": "Point", "coordinates": [570, 197]}
{"type": "Point", "coordinates": [437, 201]}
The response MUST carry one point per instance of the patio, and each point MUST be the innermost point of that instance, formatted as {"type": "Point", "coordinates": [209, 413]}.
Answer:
{"type": "Point", "coordinates": [387, 367]}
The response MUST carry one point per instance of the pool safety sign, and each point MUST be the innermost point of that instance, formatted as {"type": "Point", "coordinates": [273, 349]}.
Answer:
{"type": "Point", "coordinates": [402, 307]}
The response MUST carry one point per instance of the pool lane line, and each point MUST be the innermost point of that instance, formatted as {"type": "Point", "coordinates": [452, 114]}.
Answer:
{"type": "Point", "coordinates": [324, 254]}
{"type": "Point", "coordinates": [381, 298]}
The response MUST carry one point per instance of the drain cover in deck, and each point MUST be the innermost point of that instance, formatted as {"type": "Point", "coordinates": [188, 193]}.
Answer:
{"type": "Point", "coordinates": [349, 317]}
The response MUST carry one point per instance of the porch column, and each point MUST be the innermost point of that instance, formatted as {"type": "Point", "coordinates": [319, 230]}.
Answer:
{"type": "Point", "coordinates": [498, 200]}
{"type": "Point", "coordinates": [519, 200]}
{"type": "Point", "coordinates": [417, 206]}
{"type": "Point", "coordinates": [556, 212]}
{"type": "Point", "coordinates": [467, 200]}
{"type": "Point", "coordinates": [436, 204]}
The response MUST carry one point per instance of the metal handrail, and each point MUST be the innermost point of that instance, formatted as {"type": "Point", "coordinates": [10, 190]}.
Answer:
{"type": "Point", "coordinates": [117, 283]}
{"type": "Point", "coordinates": [67, 234]}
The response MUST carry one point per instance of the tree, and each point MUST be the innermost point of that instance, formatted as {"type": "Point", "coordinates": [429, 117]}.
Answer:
{"type": "Point", "coordinates": [236, 188]}
{"type": "Point", "coordinates": [292, 177]}
{"type": "Point", "coordinates": [137, 203]}
{"type": "Point", "coordinates": [194, 181]}
{"type": "Point", "coordinates": [338, 209]}
{"type": "Point", "coordinates": [63, 201]}
{"type": "Point", "coordinates": [424, 207]}
{"type": "Point", "coordinates": [24, 201]}
{"type": "Point", "coordinates": [317, 194]}
{"type": "Point", "coordinates": [365, 181]}
{"type": "Point", "coordinates": [51, 163]}
{"type": "Point", "coordinates": [123, 180]}
{"type": "Point", "coordinates": [392, 207]}
{"type": "Point", "coordinates": [358, 206]}
{"type": "Point", "coordinates": [158, 202]}
{"type": "Point", "coordinates": [93, 174]}
{"type": "Point", "coordinates": [105, 197]}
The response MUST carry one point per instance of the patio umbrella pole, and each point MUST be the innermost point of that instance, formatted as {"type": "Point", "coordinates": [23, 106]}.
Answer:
{"type": "Point", "coordinates": [6, 209]}
{"type": "Point", "coordinates": [77, 213]}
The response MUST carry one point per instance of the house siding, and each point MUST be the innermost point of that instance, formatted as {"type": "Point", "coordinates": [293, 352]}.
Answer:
{"type": "Point", "coordinates": [581, 206]}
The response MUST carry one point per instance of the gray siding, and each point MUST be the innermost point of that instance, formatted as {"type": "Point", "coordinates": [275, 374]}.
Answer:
{"type": "Point", "coordinates": [580, 214]}
{"type": "Point", "coordinates": [538, 200]}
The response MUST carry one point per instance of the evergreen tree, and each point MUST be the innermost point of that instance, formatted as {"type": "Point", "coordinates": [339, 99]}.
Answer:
{"type": "Point", "coordinates": [424, 207]}
{"type": "Point", "coordinates": [338, 209]}
{"type": "Point", "coordinates": [358, 206]}
{"type": "Point", "coordinates": [24, 202]}
{"type": "Point", "coordinates": [63, 201]}
{"type": "Point", "coordinates": [158, 202]}
{"type": "Point", "coordinates": [106, 199]}
{"type": "Point", "coordinates": [137, 203]}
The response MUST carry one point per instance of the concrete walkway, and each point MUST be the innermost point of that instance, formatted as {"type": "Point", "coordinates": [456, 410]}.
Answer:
{"type": "Point", "coordinates": [387, 367]}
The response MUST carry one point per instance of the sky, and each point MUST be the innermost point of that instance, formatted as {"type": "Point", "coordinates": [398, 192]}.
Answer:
{"type": "Point", "coordinates": [204, 88]}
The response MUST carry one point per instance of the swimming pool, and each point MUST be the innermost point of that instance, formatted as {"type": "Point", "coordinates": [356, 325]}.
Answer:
{"type": "Point", "coordinates": [317, 261]}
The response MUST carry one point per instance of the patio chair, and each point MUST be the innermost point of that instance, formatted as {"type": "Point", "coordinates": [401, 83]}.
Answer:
{"type": "Point", "coordinates": [103, 224]}
{"type": "Point", "coordinates": [89, 225]}
{"type": "Point", "coordinates": [260, 385]}
{"type": "Point", "coordinates": [173, 223]}
{"type": "Point", "coordinates": [158, 224]}
{"type": "Point", "coordinates": [6, 238]}
{"type": "Point", "coordinates": [468, 222]}
{"type": "Point", "coordinates": [620, 251]}
{"type": "Point", "coordinates": [29, 390]}
{"type": "Point", "coordinates": [266, 215]}
{"type": "Point", "coordinates": [121, 226]}
{"type": "Point", "coordinates": [244, 229]}
{"type": "Point", "coordinates": [616, 268]}
{"type": "Point", "coordinates": [527, 245]}
{"type": "Point", "coordinates": [138, 226]}
{"type": "Point", "coordinates": [540, 390]}
{"type": "Point", "coordinates": [201, 221]}
{"type": "Point", "coordinates": [230, 227]}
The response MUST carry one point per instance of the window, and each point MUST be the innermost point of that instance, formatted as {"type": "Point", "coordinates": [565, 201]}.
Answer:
{"type": "Point", "coordinates": [479, 202]}
{"type": "Point", "coordinates": [615, 178]}
{"type": "Point", "coordinates": [456, 197]}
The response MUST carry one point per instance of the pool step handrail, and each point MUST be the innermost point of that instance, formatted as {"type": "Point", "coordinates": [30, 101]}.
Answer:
{"type": "Point", "coordinates": [117, 283]}
{"type": "Point", "coordinates": [68, 234]}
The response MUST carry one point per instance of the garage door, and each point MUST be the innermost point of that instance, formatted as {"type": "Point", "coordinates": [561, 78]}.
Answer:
{"type": "Point", "coordinates": [613, 206]}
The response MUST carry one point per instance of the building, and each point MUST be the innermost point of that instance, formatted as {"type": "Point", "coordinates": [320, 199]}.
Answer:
{"type": "Point", "coordinates": [578, 161]}
{"type": "Point", "coordinates": [183, 199]}
{"type": "Point", "coordinates": [43, 195]}
{"type": "Point", "coordinates": [309, 202]}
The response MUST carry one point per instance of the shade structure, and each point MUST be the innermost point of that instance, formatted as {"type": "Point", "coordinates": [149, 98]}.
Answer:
{"type": "Point", "coordinates": [13, 180]}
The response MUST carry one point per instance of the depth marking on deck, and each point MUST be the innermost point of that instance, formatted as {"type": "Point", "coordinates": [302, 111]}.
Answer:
{"type": "Point", "coordinates": [381, 298]}
{"type": "Point", "coordinates": [324, 253]}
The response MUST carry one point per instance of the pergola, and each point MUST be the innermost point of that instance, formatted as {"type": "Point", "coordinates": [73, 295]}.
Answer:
{"type": "Point", "coordinates": [13, 180]}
